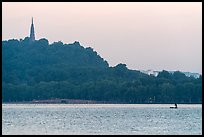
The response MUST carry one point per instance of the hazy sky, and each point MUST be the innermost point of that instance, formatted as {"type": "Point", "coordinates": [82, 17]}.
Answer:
{"type": "Point", "coordinates": [144, 36]}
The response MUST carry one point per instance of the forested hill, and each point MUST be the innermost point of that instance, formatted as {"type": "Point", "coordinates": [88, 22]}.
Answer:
{"type": "Point", "coordinates": [40, 71]}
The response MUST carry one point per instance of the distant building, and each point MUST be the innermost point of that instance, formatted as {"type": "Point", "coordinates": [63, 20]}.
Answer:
{"type": "Point", "coordinates": [32, 32]}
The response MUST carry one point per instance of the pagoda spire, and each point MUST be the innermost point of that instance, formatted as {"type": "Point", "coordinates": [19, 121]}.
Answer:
{"type": "Point", "coordinates": [32, 32]}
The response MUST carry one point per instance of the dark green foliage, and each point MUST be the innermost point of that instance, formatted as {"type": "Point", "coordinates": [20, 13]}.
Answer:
{"type": "Point", "coordinates": [44, 71]}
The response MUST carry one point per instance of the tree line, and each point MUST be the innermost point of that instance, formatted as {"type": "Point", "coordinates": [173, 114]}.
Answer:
{"type": "Point", "coordinates": [41, 71]}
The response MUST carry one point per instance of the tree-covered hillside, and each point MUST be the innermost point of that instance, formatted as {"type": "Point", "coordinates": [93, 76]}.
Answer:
{"type": "Point", "coordinates": [41, 71]}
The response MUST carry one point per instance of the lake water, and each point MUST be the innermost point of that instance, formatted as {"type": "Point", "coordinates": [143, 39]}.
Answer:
{"type": "Point", "coordinates": [100, 119]}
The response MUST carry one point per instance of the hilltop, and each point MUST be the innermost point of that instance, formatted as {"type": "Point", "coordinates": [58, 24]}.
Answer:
{"type": "Point", "coordinates": [43, 71]}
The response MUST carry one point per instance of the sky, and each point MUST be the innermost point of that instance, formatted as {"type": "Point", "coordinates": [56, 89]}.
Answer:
{"type": "Point", "coordinates": [157, 36]}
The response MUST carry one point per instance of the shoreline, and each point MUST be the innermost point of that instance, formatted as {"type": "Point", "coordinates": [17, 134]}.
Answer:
{"type": "Point", "coordinates": [62, 101]}
{"type": "Point", "coordinates": [78, 101]}
{"type": "Point", "coordinates": [101, 103]}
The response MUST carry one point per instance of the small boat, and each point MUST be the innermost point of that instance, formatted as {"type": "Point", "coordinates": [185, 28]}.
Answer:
{"type": "Point", "coordinates": [175, 106]}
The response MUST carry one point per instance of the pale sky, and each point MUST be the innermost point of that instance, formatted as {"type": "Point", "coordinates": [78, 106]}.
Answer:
{"type": "Point", "coordinates": [144, 36]}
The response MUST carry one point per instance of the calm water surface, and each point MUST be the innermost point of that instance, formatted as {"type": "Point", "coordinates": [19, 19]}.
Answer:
{"type": "Point", "coordinates": [111, 119]}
